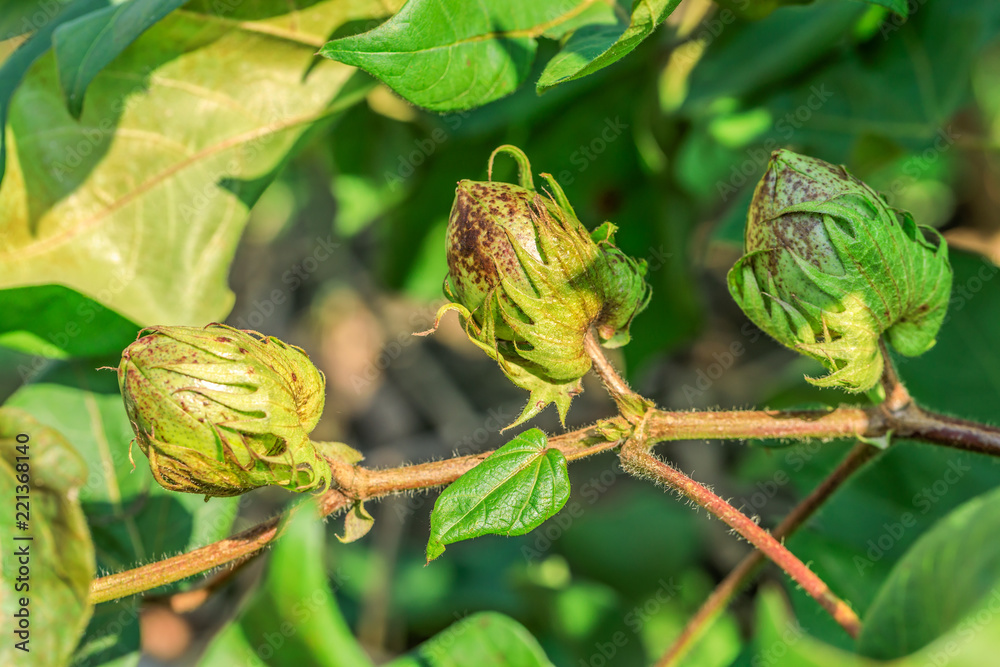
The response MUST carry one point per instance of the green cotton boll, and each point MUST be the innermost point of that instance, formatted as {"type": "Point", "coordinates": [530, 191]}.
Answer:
{"type": "Point", "coordinates": [530, 282]}
{"type": "Point", "coordinates": [221, 411]}
{"type": "Point", "coordinates": [829, 268]}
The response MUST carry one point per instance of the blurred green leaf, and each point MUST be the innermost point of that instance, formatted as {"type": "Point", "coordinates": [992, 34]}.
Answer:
{"type": "Point", "coordinates": [132, 519]}
{"type": "Point", "coordinates": [511, 492]}
{"type": "Point", "coordinates": [112, 636]}
{"type": "Point", "coordinates": [901, 7]}
{"type": "Point", "coordinates": [14, 68]}
{"type": "Point", "coordinates": [947, 575]}
{"type": "Point", "coordinates": [486, 639]}
{"type": "Point", "coordinates": [140, 203]}
{"type": "Point", "coordinates": [597, 45]}
{"type": "Point", "coordinates": [88, 44]}
{"type": "Point", "coordinates": [856, 539]}
{"type": "Point", "coordinates": [781, 640]}
{"type": "Point", "coordinates": [748, 56]}
{"type": "Point", "coordinates": [49, 562]}
{"type": "Point", "coordinates": [55, 321]}
{"type": "Point", "coordinates": [293, 618]}
{"type": "Point", "coordinates": [905, 86]}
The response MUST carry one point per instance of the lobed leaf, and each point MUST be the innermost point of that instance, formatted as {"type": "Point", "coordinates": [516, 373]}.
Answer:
{"type": "Point", "coordinates": [86, 45]}
{"type": "Point", "coordinates": [139, 203]}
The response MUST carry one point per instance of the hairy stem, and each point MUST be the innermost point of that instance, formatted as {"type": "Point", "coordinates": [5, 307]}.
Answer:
{"type": "Point", "coordinates": [361, 483]}
{"type": "Point", "coordinates": [636, 458]}
{"type": "Point", "coordinates": [232, 549]}
{"type": "Point", "coordinates": [896, 396]}
{"type": "Point", "coordinates": [717, 602]}
{"type": "Point", "coordinates": [355, 483]}
{"type": "Point", "coordinates": [630, 404]}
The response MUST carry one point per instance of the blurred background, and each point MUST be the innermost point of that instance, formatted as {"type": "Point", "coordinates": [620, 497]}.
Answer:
{"type": "Point", "coordinates": [343, 255]}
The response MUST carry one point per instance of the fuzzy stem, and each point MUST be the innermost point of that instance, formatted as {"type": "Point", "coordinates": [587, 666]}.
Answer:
{"type": "Point", "coordinates": [896, 396]}
{"type": "Point", "coordinates": [358, 483]}
{"type": "Point", "coordinates": [361, 483]}
{"type": "Point", "coordinates": [636, 458]}
{"type": "Point", "coordinates": [630, 404]}
{"type": "Point", "coordinates": [717, 602]}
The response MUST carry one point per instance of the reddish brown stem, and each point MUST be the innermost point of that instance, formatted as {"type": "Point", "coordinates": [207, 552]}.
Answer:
{"type": "Point", "coordinates": [727, 589]}
{"type": "Point", "coordinates": [360, 483]}
{"type": "Point", "coordinates": [354, 482]}
{"type": "Point", "coordinates": [636, 458]}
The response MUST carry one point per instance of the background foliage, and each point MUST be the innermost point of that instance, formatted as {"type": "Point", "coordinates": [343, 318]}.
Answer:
{"type": "Point", "coordinates": [181, 163]}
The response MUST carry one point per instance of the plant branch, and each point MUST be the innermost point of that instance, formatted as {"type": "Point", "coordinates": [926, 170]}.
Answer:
{"type": "Point", "coordinates": [354, 482]}
{"type": "Point", "coordinates": [357, 483]}
{"type": "Point", "coordinates": [631, 405]}
{"type": "Point", "coordinates": [636, 458]}
{"type": "Point", "coordinates": [717, 602]}
{"type": "Point", "coordinates": [896, 396]}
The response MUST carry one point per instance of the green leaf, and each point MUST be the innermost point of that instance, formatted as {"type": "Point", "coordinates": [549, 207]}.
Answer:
{"type": "Point", "coordinates": [898, 6]}
{"type": "Point", "coordinates": [944, 577]}
{"type": "Point", "coordinates": [596, 46]}
{"type": "Point", "coordinates": [140, 203]}
{"type": "Point", "coordinates": [88, 44]}
{"type": "Point", "coordinates": [486, 639]}
{"type": "Point", "coordinates": [55, 321]}
{"type": "Point", "coordinates": [868, 526]}
{"type": "Point", "coordinates": [293, 619]}
{"type": "Point", "coordinates": [511, 492]}
{"type": "Point", "coordinates": [738, 62]}
{"type": "Point", "coordinates": [781, 640]}
{"type": "Point", "coordinates": [14, 68]}
{"type": "Point", "coordinates": [133, 519]}
{"type": "Point", "coordinates": [112, 637]}
{"type": "Point", "coordinates": [927, 59]}
{"type": "Point", "coordinates": [464, 55]}
{"type": "Point", "coordinates": [48, 564]}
